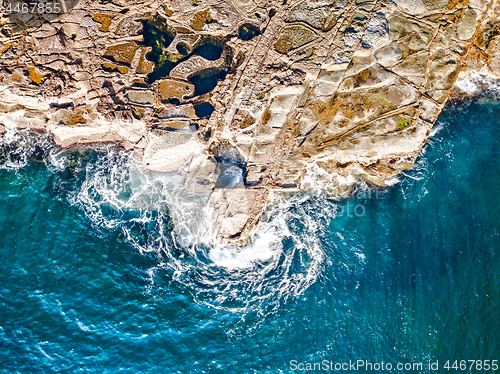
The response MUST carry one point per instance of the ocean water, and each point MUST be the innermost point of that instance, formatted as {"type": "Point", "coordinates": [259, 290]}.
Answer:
{"type": "Point", "coordinates": [106, 268]}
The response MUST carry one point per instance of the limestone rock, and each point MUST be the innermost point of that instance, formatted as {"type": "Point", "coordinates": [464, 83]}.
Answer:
{"type": "Point", "coordinates": [292, 37]}
{"type": "Point", "coordinates": [141, 97]}
{"type": "Point", "coordinates": [467, 27]}
{"type": "Point", "coordinates": [315, 13]}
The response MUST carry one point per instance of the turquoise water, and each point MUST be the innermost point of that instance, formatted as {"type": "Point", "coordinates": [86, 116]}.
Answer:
{"type": "Point", "coordinates": [107, 268]}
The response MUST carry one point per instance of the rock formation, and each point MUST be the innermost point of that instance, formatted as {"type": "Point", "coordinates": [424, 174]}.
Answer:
{"type": "Point", "coordinates": [245, 96]}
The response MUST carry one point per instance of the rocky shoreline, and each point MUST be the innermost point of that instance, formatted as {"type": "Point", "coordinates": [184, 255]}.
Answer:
{"type": "Point", "coordinates": [244, 98]}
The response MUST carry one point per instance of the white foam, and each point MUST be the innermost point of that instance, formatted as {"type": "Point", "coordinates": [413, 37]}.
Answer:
{"type": "Point", "coordinates": [191, 253]}
{"type": "Point", "coordinates": [318, 181]}
{"type": "Point", "coordinates": [264, 246]}
{"type": "Point", "coordinates": [279, 261]}
{"type": "Point", "coordinates": [478, 83]}
{"type": "Point", "coordinates": [467, 86]}
{"type": "Point", "coordinates": [122, 184]}
{"type": "Point", "coordinates": [435, 130]}
{"type": "Point", "coordinates": [20, 143]}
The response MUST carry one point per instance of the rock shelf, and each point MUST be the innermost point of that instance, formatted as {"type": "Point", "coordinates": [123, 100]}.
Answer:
{"type": "Point", "coordinates": [352, 87]}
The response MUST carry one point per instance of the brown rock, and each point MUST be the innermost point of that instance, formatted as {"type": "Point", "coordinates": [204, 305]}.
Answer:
{"type": "Point", "coordinates": [107, 66]}
{"type": "Point", "coordinates": [124, 52]}
{"type": "Point", "coordinates": [200, 19]}
{"type": "Point", "coordinates": [171, 89]}
{"type": "Point", "coordinates": [104, 20]}
{"type": "Point", "coordinates": [145, 66]}
{"type": "Point", "coordinates": [36, 77]}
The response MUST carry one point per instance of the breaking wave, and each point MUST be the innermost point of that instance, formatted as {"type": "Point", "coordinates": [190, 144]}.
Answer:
{"type": "Point", "coordinates": [157, 214]}
{"type": "Point", "coordinates": [480, 84]}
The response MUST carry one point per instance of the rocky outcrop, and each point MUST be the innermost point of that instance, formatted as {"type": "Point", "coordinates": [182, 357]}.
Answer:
{"type": "Point", "coordinates": [245, 98]}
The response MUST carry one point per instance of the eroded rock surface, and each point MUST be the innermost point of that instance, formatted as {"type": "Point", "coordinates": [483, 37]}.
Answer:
{"type": "Point", "coordinates": [245, 96]}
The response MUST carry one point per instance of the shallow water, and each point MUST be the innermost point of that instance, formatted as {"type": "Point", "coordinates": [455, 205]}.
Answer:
{"type": "Point", "coordinates": [107, 268]}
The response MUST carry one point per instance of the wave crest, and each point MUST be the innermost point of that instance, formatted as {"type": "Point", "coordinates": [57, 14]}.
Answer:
{"type": "Point", "coordinates": [156, 212]}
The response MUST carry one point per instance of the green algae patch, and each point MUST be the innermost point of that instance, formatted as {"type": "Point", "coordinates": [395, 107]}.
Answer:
{"type": "Point", "coordinates": [158, 36]}
{"type": "Point", "coordinates": [158, 62]}
{"type": "Point", "coordinates": [411, 112]}
{"type": "Point", "coordinates": [402, 123]}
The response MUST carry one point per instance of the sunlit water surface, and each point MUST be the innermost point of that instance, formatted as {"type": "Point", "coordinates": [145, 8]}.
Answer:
{"type": "Point", "coordinates": [106, 268]}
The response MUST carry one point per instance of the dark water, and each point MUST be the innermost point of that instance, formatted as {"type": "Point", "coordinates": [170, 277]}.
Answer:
{"type": "Point", "coordinates": [209, 51]}
{"type": "Point", "coordinates": [204, 109]}
{"type": "Point", "coordinates": [207, 80]}
{"type": "Point", "coordinates": [158, 35]}
{"type": "Point", "coordinates": [248, 32]}
{"type": "Point", "coordinates": [95, 279]}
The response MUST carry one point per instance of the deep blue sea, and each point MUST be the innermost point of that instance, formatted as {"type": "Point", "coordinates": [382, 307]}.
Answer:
{"type": "Point", "coordinates": [105, 268]}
